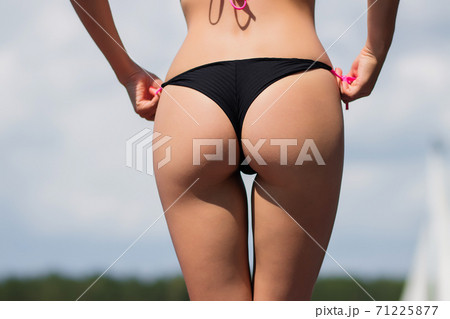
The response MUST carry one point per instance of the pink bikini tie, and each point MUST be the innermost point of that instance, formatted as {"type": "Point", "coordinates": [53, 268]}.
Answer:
{"type": "Point", "coordinates": [238, 8]}
{"type": "Point", "coordinates": [348, 79]}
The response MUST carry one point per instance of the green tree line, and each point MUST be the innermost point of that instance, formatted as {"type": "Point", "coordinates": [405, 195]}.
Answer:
{"type": "Point", "coordinates": [55, 287]}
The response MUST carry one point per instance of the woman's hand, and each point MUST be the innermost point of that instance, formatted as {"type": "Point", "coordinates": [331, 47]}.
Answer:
{"type": "Point", "coordinates": [141, 86]}
{"type": "Point", "coordinates": [365, 69]}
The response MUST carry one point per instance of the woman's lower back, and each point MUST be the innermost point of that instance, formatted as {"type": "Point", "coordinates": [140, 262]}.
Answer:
{"type": "Point", "coordinates": [265, 28]}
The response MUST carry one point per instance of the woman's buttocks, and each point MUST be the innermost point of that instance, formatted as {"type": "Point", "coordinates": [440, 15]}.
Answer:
{"type": "Point", "coordinates": [265, 28]}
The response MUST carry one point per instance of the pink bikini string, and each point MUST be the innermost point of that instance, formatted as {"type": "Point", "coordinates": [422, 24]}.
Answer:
{"type": "Point", "coordinates": [348, 79]}
{"type": "Point", "coordinates": [238, 8]}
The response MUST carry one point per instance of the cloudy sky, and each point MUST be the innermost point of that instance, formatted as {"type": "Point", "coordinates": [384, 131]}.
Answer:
{"type": "Point", "coordinates": [68, 203]}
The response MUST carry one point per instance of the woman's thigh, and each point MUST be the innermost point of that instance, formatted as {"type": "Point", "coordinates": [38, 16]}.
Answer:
{"type": "Point", "coordinates": [204, 199]}
{"type": "Point", "coordinates": [295, 195]}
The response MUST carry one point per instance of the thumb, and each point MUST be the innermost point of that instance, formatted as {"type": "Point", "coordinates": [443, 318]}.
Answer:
{"type": "Point", "coordinates": [153, 91]}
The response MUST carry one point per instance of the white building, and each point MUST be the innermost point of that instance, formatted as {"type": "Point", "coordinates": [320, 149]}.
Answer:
{"type": "Point", "coordinates": [429, 277]}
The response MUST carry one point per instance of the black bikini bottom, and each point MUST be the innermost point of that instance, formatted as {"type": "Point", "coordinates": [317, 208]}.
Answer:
{"type": "Point", "coordinates": [235, 84]}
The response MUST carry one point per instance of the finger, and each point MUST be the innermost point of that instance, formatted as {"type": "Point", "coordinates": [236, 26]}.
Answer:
{"type": "Point", "coordinates": [148, 104]}
{"type": "Point", "coordinates": [149, 115]}
{"type": "Point", "coordinates": [141, 92]}
{"type": "Point", "coordinates": [351, 93]}
{"type": "Point", "coordinates": [142, 107]}
{"type": "Point", "coordinates": [153, 102]}
{"type": "Point", "coordinates": [346, 93]}
{"type": "Point", "coordinates": [338, 72]}
{"type": "Point", "coordinates": [154, 91]}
